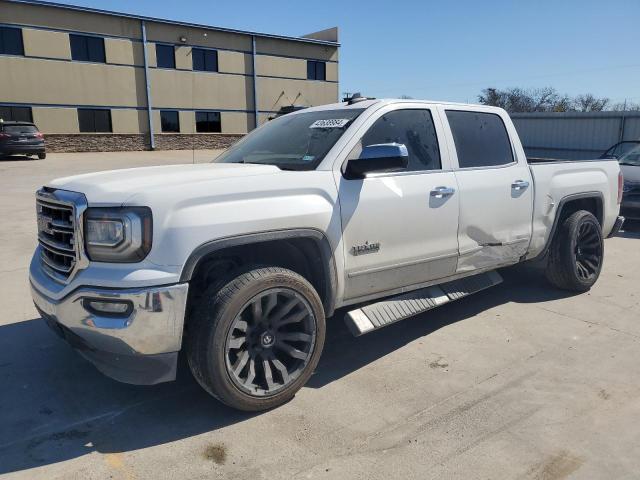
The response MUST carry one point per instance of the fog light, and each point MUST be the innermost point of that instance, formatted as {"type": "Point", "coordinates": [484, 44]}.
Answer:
{"type": "Point", "coordinates": [108, 307]}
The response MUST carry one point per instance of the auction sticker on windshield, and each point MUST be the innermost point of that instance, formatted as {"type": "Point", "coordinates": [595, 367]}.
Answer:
{"type": "Point", "coordinates": [330, 123]}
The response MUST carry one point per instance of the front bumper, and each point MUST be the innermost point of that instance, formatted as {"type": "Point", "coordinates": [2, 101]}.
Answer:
{"type": "Point", "coordinates": [140, 346]}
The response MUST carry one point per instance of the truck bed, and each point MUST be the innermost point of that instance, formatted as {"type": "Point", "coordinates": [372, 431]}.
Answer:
{"type": "Point", "coordinates": [556, 180]}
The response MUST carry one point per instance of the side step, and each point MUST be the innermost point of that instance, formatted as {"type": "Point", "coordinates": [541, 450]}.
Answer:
{"type": "Point", "coordinates": [377, 315]}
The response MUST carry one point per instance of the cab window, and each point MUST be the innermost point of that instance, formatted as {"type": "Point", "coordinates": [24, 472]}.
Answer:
{"type": "Point", "coordinates": [412, 127]}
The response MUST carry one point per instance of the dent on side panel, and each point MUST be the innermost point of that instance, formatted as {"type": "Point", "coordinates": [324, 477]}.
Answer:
{"type": "Point", "coordinates": [555, 182]}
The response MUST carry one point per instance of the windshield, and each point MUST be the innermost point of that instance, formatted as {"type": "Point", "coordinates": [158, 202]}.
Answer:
{"type": "Point", "coordinates": [632, 157]}
{"type": "Point", "coordinates": [619, 149]}
{"type": "Point", "coordinates": [292, 142]}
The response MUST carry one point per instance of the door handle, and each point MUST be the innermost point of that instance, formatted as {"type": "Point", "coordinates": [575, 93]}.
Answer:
{"type": "Point", "coordinates": [441, 192]}
{"type": "Point", "coordinates": [519, 184]}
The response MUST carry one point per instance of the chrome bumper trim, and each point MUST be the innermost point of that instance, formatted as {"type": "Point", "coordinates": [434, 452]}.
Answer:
{"type": "Point", "coordinates": [154, 326]}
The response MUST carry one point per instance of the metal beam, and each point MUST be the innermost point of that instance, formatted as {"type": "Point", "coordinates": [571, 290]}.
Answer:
{"type": "Point", "coordinates": [255, 81]}
{"type": "Point", "coordinates": [152, 141]}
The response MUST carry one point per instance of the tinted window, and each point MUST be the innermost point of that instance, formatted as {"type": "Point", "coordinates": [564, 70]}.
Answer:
{"type": "Point", "coordinates": [165, 56]}
{"type": "Point", "coordinates": [16, 114]}
{"type": "Point", "coordinates": [414, 129]}
{"type": "Point", "coordinates": [169, 121]}
{"type": "Point", "coordinates": [316, 70]}
{"type": "Point", "coordinates": [208, 122]}
{"type": "Point", "coordinates": [86, 48]}
{"type": "Point", "coordinates": [20, 129]}
{"type": "Point", "coordinates": [204, 60]}
{"type": "Point", "coordinates": [296, 141]}
{"type": "Point", "coordinates": [94, 120]}
{"type": "Point", "coordinates": [11, 41]}
{"type": "Point", "coordinates": [481, 139]}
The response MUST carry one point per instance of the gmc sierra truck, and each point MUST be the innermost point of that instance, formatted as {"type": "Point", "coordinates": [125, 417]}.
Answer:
{"type": "Point", "coordinates": [383, 208]}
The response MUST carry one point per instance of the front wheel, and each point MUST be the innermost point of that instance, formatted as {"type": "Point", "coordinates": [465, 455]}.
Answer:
{"type": "Point", "coordinates": [254, 342]}
{"type": "Point", "coordinates": [576, 254]}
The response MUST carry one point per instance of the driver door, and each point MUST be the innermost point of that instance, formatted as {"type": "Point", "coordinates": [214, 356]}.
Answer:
{"type": "Point", "coordinates": [400, 229]}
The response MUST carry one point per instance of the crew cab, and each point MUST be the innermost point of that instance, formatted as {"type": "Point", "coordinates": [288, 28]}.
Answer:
{"type": "Point", "coordinates": [383, 208]}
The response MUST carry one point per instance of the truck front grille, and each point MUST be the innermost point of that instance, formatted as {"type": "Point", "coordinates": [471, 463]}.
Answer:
{"type": "Point", "coordinates": [56, 235]}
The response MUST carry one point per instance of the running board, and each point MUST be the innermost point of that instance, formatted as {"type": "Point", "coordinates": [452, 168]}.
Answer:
{"type": "Point", "coordinates": [377, 315]}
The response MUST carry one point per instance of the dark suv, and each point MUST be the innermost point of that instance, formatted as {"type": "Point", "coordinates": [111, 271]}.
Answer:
{"type": "Point", "coordinates": [21, 138]}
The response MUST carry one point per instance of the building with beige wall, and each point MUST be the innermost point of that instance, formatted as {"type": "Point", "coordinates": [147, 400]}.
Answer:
{"type": "Point", "coordinates": [97, 80]}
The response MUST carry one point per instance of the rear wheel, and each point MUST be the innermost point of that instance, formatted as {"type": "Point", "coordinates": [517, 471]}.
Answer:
{"type": "Point", "coordinates": [42, 156]}
{"type": "Point", "coordinates": [255, 342]}
{"type": "Point", "coordinates": [577, 253]}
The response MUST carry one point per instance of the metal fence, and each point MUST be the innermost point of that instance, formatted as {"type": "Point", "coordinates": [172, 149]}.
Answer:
{"type": "Point", "coordinates": [574, 135]}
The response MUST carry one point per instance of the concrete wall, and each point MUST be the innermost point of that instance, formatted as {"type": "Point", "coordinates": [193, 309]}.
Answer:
{"type": "Point", "coordinates": [48, 80]}
{"type": "Point", "coordinates": [574, 135]}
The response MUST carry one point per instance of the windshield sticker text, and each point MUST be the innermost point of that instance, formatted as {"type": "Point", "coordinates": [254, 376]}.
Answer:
{"type": "Point", "coordinates": [330, 123]}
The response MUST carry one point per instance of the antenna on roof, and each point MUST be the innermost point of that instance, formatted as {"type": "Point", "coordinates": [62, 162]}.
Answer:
{"type": "Point", "coordinates": [352, 98]}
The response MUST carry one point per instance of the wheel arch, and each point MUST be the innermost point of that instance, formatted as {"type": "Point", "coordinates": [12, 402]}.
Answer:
{"type": "Point", "coordinates": [306, 251]}
{"type": "Point", "coordinates": [590, 201]}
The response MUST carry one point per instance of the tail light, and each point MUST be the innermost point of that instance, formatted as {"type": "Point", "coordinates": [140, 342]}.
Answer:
{"type": "Point", "coordinates": [4, 135]}
{"type": "Point", "coordinates": [620, 187]}
{"type": "Point", "coordinates": [39, 135]}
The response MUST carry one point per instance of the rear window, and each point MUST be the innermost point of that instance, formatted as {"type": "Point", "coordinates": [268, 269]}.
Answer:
{"type": "Point", "coordinates": [20, 129]}
{"type": "Point", "coordinates": [481, 139]}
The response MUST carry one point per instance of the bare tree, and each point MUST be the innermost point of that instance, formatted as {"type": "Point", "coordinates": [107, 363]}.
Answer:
{"type": "Point", "coordinates": [545, 99]}
{"type": "Point", "coordinates": [589, 103]}
{"type": "Point", "coordinates": [625, 106]}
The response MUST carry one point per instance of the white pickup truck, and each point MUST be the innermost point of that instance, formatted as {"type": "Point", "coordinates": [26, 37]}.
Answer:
{"type": "Point", "coordinates": [386, 207]}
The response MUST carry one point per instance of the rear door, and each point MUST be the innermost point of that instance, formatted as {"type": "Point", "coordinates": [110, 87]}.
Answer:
{"type": "Point", "coordinates": [496, 190]}
{"type": "Point", "coordinates": [400, 229]}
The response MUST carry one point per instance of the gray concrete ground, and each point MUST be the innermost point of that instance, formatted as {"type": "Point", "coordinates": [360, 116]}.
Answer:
{"type": "Point", "coordinates": [521, 381]}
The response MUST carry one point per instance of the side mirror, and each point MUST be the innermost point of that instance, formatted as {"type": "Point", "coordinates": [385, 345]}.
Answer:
{"type": "Point", "coordinates": [384, 157]}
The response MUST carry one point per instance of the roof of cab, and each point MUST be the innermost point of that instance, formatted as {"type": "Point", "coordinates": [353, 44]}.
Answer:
{"type": "Point", "coordinates": [387, 101]}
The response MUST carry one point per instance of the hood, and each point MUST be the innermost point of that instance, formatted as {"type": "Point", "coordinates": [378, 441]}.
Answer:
{"type": "Point", "coordinates": [116, 186]}
{"type": "Point", "coordinates": [631, 173]}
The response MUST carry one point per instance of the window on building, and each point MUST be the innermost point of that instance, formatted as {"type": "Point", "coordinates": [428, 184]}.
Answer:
{"type": "Point", "coordinates": [16, 114]}
{"type": "Point", "coordinates": [204, 60]}
{"type": "Point", "coordinates": [208, 122]}
{"type": "Point", "coordinates": [169, 121]}
{"type": "Point", "coordinates": [165, 56]}
{"type": "Point", "coordinates": [316, 70]}
{"type": "Point", "coordinates": [93, 120]}
{"type": "Point", "coordinates": [86, 48]}
{"type": "Point", "coordinates": [412, 127]}
{"type": "Point", "coordinates": [481, 139]}
{"type": "Point", "coordinates": [11, 41]}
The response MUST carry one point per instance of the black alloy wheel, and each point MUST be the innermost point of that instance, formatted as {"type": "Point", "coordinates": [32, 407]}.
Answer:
{"type": "Point", "coordinates": [270, 342]}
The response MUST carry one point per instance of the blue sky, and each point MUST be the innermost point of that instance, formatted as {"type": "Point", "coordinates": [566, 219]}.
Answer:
{"type": "Point", "coordinates": [446, 50]}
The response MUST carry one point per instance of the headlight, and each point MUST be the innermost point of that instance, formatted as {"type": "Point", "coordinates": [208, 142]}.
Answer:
{"type": "Point", "coordinates": [119, 235]}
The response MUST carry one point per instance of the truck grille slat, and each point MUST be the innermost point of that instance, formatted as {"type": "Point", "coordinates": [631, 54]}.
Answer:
{"type": "Point", "coordinates": [56, 235]}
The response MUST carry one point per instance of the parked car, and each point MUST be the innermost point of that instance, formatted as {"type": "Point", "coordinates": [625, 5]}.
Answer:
{"type": "Point", "coordinates": [630, 166]}
{"type": "Point", "coordinates": [387, 208]}
{"type": "Point", "coordinates": [620, 148]}
{"type": "Point", "coordinates": [21, 138]}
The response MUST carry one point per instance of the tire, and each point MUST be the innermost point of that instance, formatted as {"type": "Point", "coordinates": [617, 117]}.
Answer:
{"type": "Point", "coordinates": [576, 254]}
{"type": "Point", "coordinates": [239, 340]}
{"type": "Point", "coordinates": [42, 156]}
